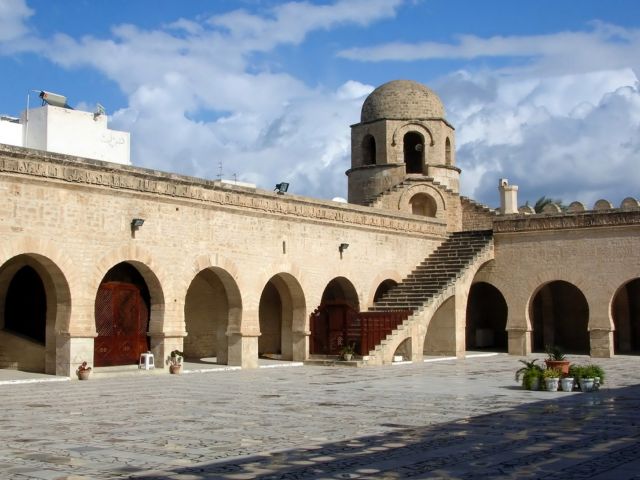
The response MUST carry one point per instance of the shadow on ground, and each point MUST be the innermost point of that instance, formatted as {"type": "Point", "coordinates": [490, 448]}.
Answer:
{"type": "Point", "coordinates": [572, 436]}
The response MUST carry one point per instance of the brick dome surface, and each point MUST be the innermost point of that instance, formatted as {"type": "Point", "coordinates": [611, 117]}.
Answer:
{"type": "Point", "coordinates": [401, 100]}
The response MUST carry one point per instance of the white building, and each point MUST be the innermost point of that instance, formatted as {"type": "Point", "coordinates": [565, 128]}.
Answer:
{"type": "Point", "coordinates": [55, 127]}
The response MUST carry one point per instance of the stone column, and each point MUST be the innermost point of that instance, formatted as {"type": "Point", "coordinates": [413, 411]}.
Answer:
{"type": "Point", "coordinates": [300, 345]}
{"type": "Point", "coordinates": [519, 341]}
{"type": "Point", "coordinates": [508, 197]}
{"type": "Point", "coordinates": [243, 349]}
{"type": "Point", "coordinates": [71, 352]}
{"type": "Point", "coordinates": [601, 342]}
{"type": "Point", "coordinates": [163, 344]}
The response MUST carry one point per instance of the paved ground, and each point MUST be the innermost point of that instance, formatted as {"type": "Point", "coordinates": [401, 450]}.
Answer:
{"type": "Point", "coordinates": [454, 419]}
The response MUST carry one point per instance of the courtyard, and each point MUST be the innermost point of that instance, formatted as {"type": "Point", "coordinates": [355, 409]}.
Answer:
{"type": "Point", "coordinates": [439, 419]}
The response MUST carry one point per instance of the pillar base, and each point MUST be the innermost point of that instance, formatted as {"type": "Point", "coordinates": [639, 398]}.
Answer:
{"type": "Point", "coordinates": [243, 350]}
{"type": "Point", "coordinates": [601, 342]}
{"type": "Point", "coordinates": [519, 342]}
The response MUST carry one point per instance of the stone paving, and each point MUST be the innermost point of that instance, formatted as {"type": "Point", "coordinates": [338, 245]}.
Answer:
{"type": "Point", "coordinates": [464, 419]}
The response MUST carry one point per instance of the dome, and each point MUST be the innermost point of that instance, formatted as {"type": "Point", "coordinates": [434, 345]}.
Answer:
{"type": "Point", "coordinates": [401, 100]}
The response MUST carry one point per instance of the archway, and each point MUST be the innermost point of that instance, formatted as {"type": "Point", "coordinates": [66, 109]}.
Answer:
{"type": "Point", "coordinates": [211, 305]}
{"type": "Point", "coordinates": [424, 205]}
{"type": "Point", "coordinates": [625, 310]}
{"type": "Point", "coordinates": [413, 147]}
{"type": "Point", "coordinates": [486, 318]}
{"type": "Point", "coordinates": [330, 322]}
{"type": "Point", "coordinates": [447, 152]}
{"type": "Point", "coordinates": [441, 331]}
{"type": "Point", "coordinates": [34, 303]}
{"type": "Point", "coordinates": [560, 316]}
{"type": "Point", "coordinates": [368, 150]}
{"type": "Point", "coordinates": [383, 288]}
{"type": "Point", "coordinates": [122, 313]}
{"type": "Point", "coordinates": [282, 305]}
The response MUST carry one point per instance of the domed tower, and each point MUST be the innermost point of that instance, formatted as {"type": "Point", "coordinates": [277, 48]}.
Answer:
{"type": "Point", "coordinates": [403, 141]}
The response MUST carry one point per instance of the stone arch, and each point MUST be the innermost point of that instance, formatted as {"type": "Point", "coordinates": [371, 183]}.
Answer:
{"type": "Point", "coordinates": [282, 311]}
{"type": "Point", "coordinates": [383, 288]}
{"type": "Point", "coordinates": [405, 205]}
{"type": "Point", "coordinates": [368, 147]}
{"type": "Point", "coordinates": [212, 307]}
{"type": "Point", "coordinates": [404, 350]}
{"type": "Point", "coordinates": [625, 313]}
{"type": "Point", "coordinates": [329, 323]}
{"type": "Point", "coordinates": [388, 278]}
{"type": "Point", "coordinates": [402, 130]}
{"type": "Point", "coordinates": [153, 275]}
{"type": "Point", "coordinates": [440, 333]}
{"type": "Point", "coordinates": [39, 353]}
{"type": "Point", "coordinates": [424, 205]}
{"type": "Point", "coordinates": [559, 315]}
{"type": "Point", "coordinates": [448, 158]}
{"type": "Point", "coordinates": [486, 318]}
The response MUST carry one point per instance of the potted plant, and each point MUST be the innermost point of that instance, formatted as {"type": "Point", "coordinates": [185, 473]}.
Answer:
{"type": "Point", "coordinates": [83, 371]}
{"type": "Point", "coordinates": [598, 375]}
{"type": "Point", "coordinates": [566, 383]}
{"type": "Point", "coordinates": [348, 351]}
{"type": "Point", "coordinates": [556, 359]}
{"type": "Point", "coordinates": [175, 362]}
{"type": "Point", "coordinates": [530, 373]}
{"type": "Point", "coordinates": [591, 377]}
{"type": "Point", "coordinates": [551, 379]}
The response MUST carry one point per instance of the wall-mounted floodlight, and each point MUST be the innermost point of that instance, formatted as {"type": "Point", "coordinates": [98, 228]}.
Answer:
{"type": "Point", "coordinates": [343, 247]}
{"type": "Point", "coordinates": [281, 187]}
{"type": "Point", "coordinates": [136, 223]}
{"type": "Point", "coordinates": [53, 99]}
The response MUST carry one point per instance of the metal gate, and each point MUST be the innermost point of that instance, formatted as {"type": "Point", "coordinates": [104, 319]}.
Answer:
{"type": "Point", "coordinates": [122, 319]}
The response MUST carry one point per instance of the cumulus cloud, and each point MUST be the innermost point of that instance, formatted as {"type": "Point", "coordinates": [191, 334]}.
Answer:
{"type": "Point", "coordinates": [13, 21]}
{"type": "Point", "coordinates": [575, 137]}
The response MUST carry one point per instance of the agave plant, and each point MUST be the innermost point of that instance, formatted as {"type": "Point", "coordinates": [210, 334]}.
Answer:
{"type": "Point", "coordinates": [528, 372]}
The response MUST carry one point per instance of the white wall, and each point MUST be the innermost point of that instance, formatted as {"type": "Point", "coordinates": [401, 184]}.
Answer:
{"type": "Point", "coordinates": [10, 133]}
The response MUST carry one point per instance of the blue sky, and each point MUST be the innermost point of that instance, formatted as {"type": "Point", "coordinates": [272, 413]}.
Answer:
{"type": "Point", "coordinates": [544, 93]}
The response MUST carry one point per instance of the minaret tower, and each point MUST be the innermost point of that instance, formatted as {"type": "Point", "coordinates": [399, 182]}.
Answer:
{"type": "Point", "coordinates": [401, 142]}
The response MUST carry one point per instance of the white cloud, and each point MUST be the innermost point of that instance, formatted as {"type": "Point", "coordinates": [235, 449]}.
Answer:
{"type": "Point", "coordinates": [575, 137]}
{"type": "Point", "coordinates": [13, 17]}
{"type": "Point", "coordinates": [603, 47]}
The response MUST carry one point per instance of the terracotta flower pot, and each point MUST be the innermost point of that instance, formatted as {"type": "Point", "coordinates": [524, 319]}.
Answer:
{"type": "Point", "coordinates": [84, 374]}
{"type": "Point", "coordinates": [562, 365]}
{"type": "Point", "coordinates": [175, 369]}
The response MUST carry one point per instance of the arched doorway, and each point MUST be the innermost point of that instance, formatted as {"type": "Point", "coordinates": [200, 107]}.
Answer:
{"type": "Point", "coordinates": [25, 309]}
{"type": "Point", "coordinates": [34, 304]}
{"type": "Point", "coordinates": [383, 288]}
{"type": "Point", "coordinates": [211, 305]}
{"type": "Point", "coordinates": [560, 316]}
{"type": "Point", "coordinates": [122, 310]}
{"type": "Point", "coordinates": [413, 147]}
{"type": "Point", "coordinates": [281, 306]}
{"type": "Point", "coordinates": [625, 310]}
{"type": "Point", "coordinates": [486, 318]}
{"type": "Point", "coordinates": [331, 321]}
{"type": "Point", "coordinates": [441, 331]}
{"type": "Point", "coordinates": [368, 150]}
{"type": "Point", "coordinates": [424, 205]}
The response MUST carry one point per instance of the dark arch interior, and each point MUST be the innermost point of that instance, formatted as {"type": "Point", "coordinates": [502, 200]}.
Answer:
{"type": "Point", "coordinates": [486, 318]}
{"type": "Point", "coordinates": [626, 318]}
{"type": "Point", "coordinates": [270, 319]}
{"type": "Point", "coordinates": [340, 291]}
{"type": "Point", "coordinates": [383, 288]}
{"type": "Point", "coordinates": [25, 309]}
{"type": "Point", "coordinates": [447, 151]}
{"type": "Point", "coordinates": [560, 316]}
{"type": "Point", "coordinates": [369, 150]}
{"type": "Point", "coordinates": [413, 152]}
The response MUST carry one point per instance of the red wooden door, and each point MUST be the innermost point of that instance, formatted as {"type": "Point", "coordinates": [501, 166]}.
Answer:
{"type": "Point", "coordinates": [122, 319]}
{"type": "Point", "coordinates": [329, 324]}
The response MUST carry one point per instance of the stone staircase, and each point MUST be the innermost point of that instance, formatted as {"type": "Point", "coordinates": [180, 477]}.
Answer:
{"type": "Point", "coordinates": [373, 201]}
{"type": "Point", "coordinates": [431, 279]}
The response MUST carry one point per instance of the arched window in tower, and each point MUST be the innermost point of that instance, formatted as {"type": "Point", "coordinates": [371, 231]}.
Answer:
{"type": "Point", "coordinates": [424, 205]}
{"type": "Point", "coordinates": [413, 152]}
{"type": "Point", "coordinates": [447, 152]}
{"type": "Point", "coordinates": [368, 150]}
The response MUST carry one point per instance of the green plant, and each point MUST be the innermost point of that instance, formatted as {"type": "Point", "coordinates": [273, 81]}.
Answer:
{"type": "Point", "coordinates": [593, 371]}
{"type": "Point", "coordinates": [529, 372]}
{"type": "Point", "coordinates": [176, 357]}
{"type": "Point", "coordinates": [551, 373]}
{"type": "Point", "coordinates": [554, 353]}
{"type": "Point", "coordinates": [348, 349]}
{"type": "Point", "coordinates": [84, 367]}
{"type": "Point", "coordinates": [576, 372]}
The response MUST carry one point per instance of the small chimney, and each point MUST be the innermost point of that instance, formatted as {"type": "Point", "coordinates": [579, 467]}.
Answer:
{"type": "Point", "coordinates": [508, 197]}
